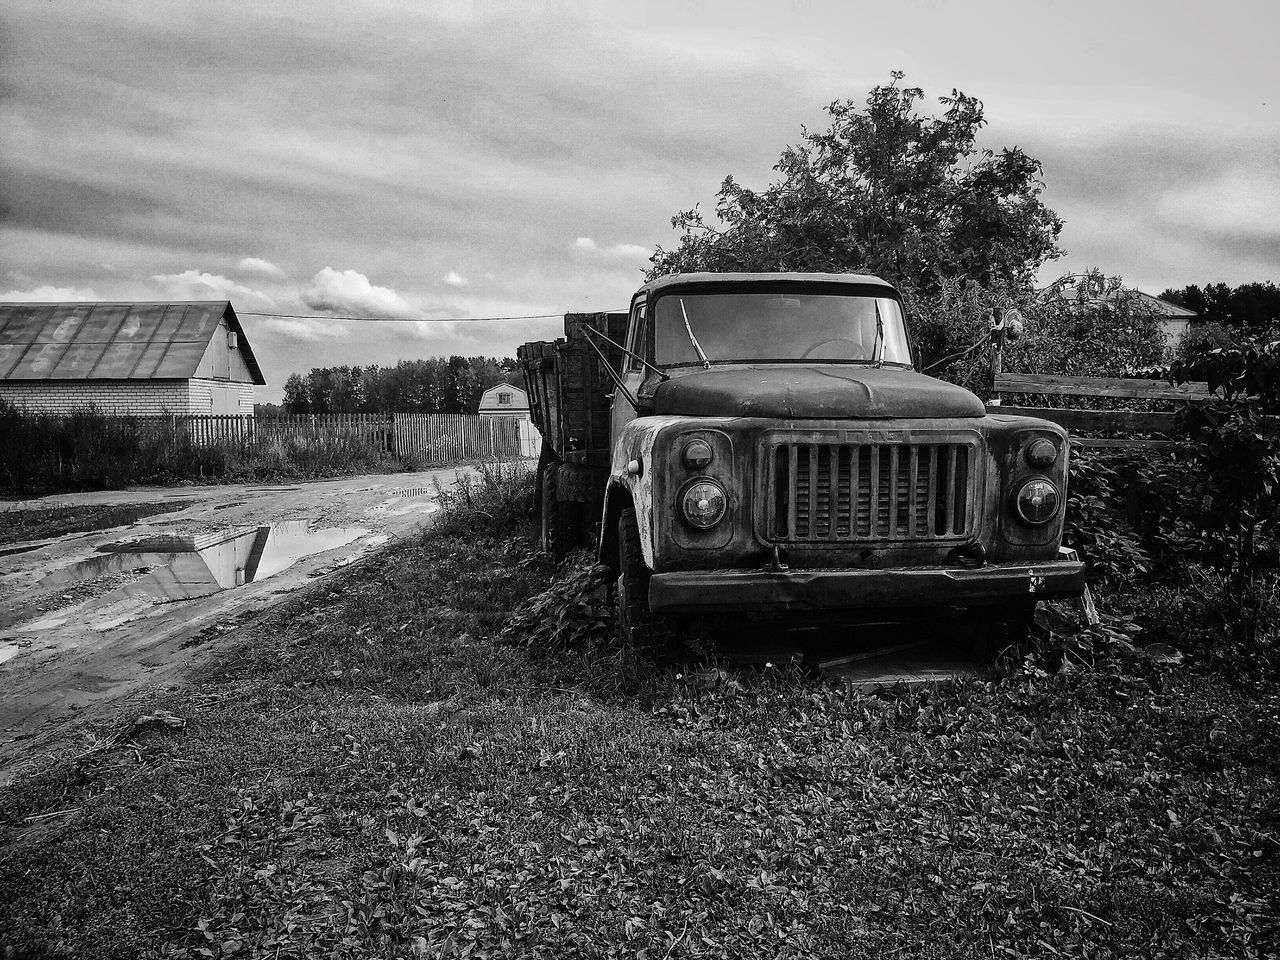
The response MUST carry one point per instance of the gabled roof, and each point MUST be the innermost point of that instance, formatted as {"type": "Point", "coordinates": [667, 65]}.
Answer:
{"type": "Point", "coordinates": [1158, 307]}
{"type": "Point", "coordinates": [113, 341]}
{"type": "Point", "coordinates": [499, 387]}
{"type": "Point", "coordinates": [1164, 308]}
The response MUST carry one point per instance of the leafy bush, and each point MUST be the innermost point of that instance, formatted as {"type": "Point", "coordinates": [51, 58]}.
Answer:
{"type": "Point", "coordinates": [575, 611]}
{"type": "Point", "coordinates": [495, 502]}
{"type": "Point", "coordinates": [1097, 329]}
{"type": "Point", "coordinates": [1094, 522]}
{"type": "Point", "coordinates": [1233, 440]}
{"type": "Point", "coordinates": [1124, 514]}
{"type": "Point", "coordinates": [1202, 338]}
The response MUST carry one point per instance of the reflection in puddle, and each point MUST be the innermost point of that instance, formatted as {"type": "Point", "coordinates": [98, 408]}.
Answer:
{"type": "Point", "coordinates": [184, 568]}
{"type": "Point", "coordinates": [413, 492]}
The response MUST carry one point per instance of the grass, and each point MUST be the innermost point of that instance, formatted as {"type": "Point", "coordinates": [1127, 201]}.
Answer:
{"type": "Point", "coordinates": [373, 774]}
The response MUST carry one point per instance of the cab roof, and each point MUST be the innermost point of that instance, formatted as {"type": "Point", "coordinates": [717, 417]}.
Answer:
{"type": "Point", "coordinates": [697, 279]}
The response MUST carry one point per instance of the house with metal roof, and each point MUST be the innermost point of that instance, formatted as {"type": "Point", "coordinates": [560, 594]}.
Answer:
{"type": "Point", "coordinates": [127, 358]}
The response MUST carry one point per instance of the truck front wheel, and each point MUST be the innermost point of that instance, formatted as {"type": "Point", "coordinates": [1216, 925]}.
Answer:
{"type": "Point", "coordinates": [635, 620]}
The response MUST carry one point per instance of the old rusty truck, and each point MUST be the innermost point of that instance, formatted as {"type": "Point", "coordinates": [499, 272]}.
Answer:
{"type": "Point", "coordinates": [755, 444]}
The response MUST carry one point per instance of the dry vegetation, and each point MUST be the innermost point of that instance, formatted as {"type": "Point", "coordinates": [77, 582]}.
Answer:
{"type": "Point", "coordinates": [41, 454]}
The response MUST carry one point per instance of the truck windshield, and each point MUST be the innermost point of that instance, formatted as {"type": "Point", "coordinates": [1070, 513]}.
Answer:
{"type": "Point", "coordinates": [698, 328]}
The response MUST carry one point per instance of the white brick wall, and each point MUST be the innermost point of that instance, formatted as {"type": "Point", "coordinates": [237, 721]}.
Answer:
{"type": "Point", "coordinates": [112, 397]}
{"type": "Point", "coordinates": [220, 396]}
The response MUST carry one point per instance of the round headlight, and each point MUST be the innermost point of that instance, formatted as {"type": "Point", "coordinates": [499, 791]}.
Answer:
{"type": "Point", "coordinates": [697, 454]}
{"type": "Point", "coordinates": [1042, 453]}
{"type": "Point", "coordinates": [703, 503]}
{"type": "Point", "coordinates": [1037, 501]}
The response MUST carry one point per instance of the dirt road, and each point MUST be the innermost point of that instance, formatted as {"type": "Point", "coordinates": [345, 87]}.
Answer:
{"type": "Point", "coordinates": [87, 619]}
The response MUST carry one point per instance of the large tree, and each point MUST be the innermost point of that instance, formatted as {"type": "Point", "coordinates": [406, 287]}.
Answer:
{"type": "Point", "coordinates": [886, 189]}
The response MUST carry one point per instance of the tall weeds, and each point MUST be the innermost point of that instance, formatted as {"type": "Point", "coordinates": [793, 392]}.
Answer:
{"type": "Point", "coordinates": [496, 502]}
{"type": "Point", "coordinates": [42, 453]}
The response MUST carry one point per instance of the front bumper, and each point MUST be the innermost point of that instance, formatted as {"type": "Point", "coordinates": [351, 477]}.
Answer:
{"type": "Point", "coordinates": [711, 591]}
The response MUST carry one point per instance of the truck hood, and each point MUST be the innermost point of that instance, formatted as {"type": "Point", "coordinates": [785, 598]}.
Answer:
{"type": "Point", "coordinates": [822, 391]}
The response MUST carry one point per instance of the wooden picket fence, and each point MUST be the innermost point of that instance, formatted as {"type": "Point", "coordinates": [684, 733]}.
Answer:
{"type": "Point", "coordinates": [427, 437]}
{"type": "Point", "coordinates": [454, 436]}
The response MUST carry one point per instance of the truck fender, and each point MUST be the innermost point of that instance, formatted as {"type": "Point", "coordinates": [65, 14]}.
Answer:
{"type": "Point", "coordinates": [625, 489]}
{"type": "Point", "coordinates": [616, 499]}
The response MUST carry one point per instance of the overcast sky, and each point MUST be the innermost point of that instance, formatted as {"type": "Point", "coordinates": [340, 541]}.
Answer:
{"type": "Point", "coordinates": [433, 159]}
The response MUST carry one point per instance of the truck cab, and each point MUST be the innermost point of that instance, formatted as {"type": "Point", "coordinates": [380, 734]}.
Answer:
{"type": "Point", "coordinates": [772, 449]}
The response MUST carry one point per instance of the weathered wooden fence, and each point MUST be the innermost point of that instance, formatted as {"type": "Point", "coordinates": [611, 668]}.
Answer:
{"type": "Point", "coordinates": [1137, 429]}
{"type": "Point", "coordinates": [454, 436]}
{"type": "Point", "coordinates": [427, 437]}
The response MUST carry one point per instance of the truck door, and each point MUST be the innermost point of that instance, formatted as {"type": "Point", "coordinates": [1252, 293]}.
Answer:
{"type": "Point", "coordinates": [632, 371]}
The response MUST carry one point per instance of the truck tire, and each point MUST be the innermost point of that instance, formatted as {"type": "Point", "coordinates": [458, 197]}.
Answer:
{"type": "Point", "coordinates": [561, 519]}
{"type": "Point", "coordinates": [635, 620]}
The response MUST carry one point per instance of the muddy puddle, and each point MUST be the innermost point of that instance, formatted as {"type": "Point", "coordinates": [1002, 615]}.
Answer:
{"type": "Point", "coordinates": [168, 568]}
{"type": "Point", "coordinates": [411, 492]}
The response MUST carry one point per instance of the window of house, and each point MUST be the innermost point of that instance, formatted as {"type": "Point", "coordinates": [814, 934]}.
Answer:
{"type": "Point", "coordinates": [504, 399]}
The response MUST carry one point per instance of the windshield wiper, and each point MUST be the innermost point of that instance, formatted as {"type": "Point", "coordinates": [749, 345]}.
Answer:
{"type": "Point", "coordinates": [692, 339]}
{"type": "Point", "coordinates": [879, 340]}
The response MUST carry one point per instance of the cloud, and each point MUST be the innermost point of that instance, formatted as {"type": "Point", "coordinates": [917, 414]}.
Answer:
{"type": "Point", "coordinates": [194, 285]}
{"type": "Point", "coordinates": [350, 292]}
{"type": "Point", "coordinates": [255, 265]}
{"type": "Point", "coordinates": [50, 294]}
{"type": "Point", "coordinates": [311, 331]}
{"type": "Point", "coordinates": [454, 279]}
{"type": "Point", "coordinates": [619, 251]}
{"type": "Point", "coordinates": [1239, 201]}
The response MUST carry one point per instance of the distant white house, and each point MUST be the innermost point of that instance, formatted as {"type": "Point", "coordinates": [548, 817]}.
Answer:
{"type": "Point", "coordinates": [509, 402]}
{"type": "Point", "coordinates": [505, 400]}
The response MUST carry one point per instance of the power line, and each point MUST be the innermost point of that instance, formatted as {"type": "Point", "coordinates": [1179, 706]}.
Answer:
{"type": "Point", "coordinates": [315, 316]}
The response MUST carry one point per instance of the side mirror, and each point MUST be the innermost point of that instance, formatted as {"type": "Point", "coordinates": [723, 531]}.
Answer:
{"type": "Point", "coordinates": [1012, 323]}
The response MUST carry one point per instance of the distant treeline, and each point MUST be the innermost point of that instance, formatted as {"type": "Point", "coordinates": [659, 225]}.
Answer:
{"type": "Point", "coordinates": [1251, 308]}
{"type": "Point", "coordinates": [436, 385]}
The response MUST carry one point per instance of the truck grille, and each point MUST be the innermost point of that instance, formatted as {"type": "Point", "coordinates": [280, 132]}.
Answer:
{"type": "Point", "coordinates": [850, 492]}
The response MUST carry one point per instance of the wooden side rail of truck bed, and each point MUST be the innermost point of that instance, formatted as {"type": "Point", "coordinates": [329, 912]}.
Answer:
{"type": "Point", "coordinates": [569, 388]}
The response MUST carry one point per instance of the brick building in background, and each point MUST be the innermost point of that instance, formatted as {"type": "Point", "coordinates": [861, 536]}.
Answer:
{"type": "Point", "coordinates": [127, 358]}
